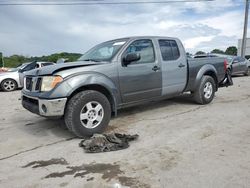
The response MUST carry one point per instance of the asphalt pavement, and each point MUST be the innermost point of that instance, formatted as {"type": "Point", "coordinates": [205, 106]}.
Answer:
{"type": "Point", "coordinates": [181, 144]}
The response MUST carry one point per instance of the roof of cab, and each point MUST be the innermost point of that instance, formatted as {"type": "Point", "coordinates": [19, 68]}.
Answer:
{"type": "Point", "coordinates": [144, 37]}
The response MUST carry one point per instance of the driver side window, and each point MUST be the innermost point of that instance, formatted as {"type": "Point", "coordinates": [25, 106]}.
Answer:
{"type": "Point", "coordinates": [143, 47]}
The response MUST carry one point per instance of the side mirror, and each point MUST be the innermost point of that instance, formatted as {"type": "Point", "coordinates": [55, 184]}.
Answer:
{"type": "Point", "coordinates": [129, 58]}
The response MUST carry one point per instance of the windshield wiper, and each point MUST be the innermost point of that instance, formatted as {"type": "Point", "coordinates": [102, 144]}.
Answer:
{"type": "Point", "coordinates": [95, 60]}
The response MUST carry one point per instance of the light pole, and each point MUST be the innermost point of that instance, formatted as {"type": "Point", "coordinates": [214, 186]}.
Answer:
{"type": "Point", "coordinates": [244, 38]}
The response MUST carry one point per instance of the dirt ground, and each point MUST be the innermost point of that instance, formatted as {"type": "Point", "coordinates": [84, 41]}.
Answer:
{"type": "Point", "coordinates": [181, 144]}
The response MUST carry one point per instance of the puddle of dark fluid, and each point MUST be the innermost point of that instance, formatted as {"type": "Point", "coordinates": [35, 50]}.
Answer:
{"type": "Point", "coordinates": [90, 179]}
{"type": "Point", "coordinates": [129, 181]}
{"type": "Point", "coordinates": [108, 171]}
{"type": "Point", "coordinates": [54, 161]}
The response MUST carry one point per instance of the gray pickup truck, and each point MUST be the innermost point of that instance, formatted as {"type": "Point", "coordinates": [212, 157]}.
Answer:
{"type": "Point", "coordinates": [117, 74]}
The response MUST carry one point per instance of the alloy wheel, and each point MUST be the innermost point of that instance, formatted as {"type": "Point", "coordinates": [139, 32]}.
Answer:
{"type": "Point", "coordinates": [92, 114]}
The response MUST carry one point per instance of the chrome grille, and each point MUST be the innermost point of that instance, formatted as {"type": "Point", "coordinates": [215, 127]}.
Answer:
{"type": "Point", "coordinates": [32, 83]}
{"type": "Point", "coordinates": [28, 83]}
{"type": "Point", "coordinates": [38, 84]}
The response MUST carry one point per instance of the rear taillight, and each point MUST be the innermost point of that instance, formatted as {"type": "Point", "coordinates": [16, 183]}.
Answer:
{"type": "Point", "coordinates": [225, 65]}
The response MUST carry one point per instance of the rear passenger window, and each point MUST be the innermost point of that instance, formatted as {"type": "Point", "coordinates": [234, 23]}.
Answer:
{"type": "Point", "coordinates": [169, 50]}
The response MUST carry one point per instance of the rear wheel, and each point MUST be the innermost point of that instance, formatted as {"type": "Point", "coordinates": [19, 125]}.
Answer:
{"type": "Point", "coordinates": [87, 112]}
{"type": "Point", "coordinates": [247, 73]}
{"type": "Point", "coordinates": [205, 91]}
{"type": "Point", "coordinates": [9, 85]}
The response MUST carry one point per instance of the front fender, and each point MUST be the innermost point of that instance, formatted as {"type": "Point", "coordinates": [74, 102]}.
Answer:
{"type": "Point", "coordinates": [73, 82]}
{"type": "Point", "coordinates": [204, 70]}
{"type": "Point", "coordinates": [76, 81]}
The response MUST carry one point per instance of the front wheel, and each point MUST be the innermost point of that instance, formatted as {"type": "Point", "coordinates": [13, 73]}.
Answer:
{"type": "Point", "coordinates": [205, 91]}
{"type": "Point", "coordinates": [87, 112]}
{"type": "Point", "coordinates": [9, 85]}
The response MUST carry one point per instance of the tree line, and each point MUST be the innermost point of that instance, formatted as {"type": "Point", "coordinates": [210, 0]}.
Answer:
{"type": "Point", "coordinates": [15, 60]}
{"type": "Point", "coordinates": [231, 50]}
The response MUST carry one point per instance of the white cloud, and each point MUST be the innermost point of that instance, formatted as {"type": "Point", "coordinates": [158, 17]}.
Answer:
{"type": "Point", "coordinates": [194, 42]}
{"type": "Point", "coordinates": [213, 6]}
{"type": "Point", "coordinates": [218, 42]}
{"type": "Point", "coordinates": [230, 23]}
{"type": "Point", "coordinates": [39, 30]}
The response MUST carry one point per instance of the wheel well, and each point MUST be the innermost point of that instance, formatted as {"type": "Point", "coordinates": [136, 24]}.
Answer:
{"type": "Point", "coordinates": [98, 88]}
{"type": "Point", "coordinates": [213, 75]}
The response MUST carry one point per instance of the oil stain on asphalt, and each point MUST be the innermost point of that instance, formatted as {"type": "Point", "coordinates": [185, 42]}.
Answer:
{"type": "Point", "coordinates": [108, 172]}
{"type": "Point", "coordinates": [54, 161]}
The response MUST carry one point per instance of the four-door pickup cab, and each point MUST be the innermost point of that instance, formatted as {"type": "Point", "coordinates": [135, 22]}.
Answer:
{"type": "Point", "coordinates": [117, 74]}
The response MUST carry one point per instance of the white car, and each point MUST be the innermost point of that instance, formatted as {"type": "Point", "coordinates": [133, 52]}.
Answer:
{"type": "Point", "coordinates": [13, 78]}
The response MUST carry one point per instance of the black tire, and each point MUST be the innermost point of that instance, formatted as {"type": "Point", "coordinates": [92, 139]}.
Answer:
{"type": "Point", "coordinates": [202, 97]}
{"type": "Point", "coordinates": [247, 73]}
{"type": "Point", "coordinates": [8, 85]}
{"type": "Point", "coordinates": [75, 107]}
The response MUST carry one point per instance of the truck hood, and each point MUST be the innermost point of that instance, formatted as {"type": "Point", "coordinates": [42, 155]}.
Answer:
{"type": "Point", "coordinates": [52, 69]}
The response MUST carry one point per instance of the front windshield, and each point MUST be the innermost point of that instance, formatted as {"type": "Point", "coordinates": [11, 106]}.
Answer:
{"type": "Point", "coordinates": [17, 68]}
{"type": "Point", "coordinates": [103, 52]}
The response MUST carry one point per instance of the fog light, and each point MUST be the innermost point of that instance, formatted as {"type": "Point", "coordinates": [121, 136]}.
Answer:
{"type": "Point", "coordinates": [44, 108]}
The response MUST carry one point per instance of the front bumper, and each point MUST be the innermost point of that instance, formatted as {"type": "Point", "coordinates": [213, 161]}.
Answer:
{"type": "Point", "coordinates": [44, 107]}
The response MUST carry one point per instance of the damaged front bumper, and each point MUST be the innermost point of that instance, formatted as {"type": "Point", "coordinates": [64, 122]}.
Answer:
{"type": "Point", "coordinates": [44, 107]}
{"type": "Point", "coordinates": [227, 81]}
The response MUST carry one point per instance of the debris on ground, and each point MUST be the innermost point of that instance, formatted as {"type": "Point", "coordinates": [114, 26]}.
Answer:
{"type": "Point", "coordinates": [107, 142]}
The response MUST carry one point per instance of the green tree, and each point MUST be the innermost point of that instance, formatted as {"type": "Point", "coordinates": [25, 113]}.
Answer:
{"type": "Point", "coordinates": [231, 50]}
{"type": "Point", "coordinates": [217, 51]}
{"type": "Point", "coordinates": [200, 53]}
{"type": "Point", "coordinates": [1, 59]}
{"type": "Point", "coordinates": [15, 60]}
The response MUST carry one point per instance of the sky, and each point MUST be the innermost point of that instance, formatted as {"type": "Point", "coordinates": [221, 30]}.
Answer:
{"type": "Point", "coordinates": [43, 30]}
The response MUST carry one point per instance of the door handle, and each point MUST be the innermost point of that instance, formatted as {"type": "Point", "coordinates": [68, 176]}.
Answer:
{"type": "Point", "coordinates": [181, 65]}
{"type": "Point", "coordinates": [156, 68]}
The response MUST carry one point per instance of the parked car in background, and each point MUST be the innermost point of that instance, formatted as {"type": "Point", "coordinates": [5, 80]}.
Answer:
{"type": "Point", "coordinates": [239, 65]}
{"type": "Point", "coordinates": [236, 64]}
{"type": "Point", "coordinates": [13, 78]}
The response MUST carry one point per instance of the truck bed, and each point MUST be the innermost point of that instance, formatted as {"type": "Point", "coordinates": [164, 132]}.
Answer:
{"type": "Point", "coordinates": [196, 66]}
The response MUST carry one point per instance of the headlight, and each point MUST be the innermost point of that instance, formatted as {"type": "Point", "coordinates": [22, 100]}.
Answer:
{"type": "Point", "coordinates": [49, 82]}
